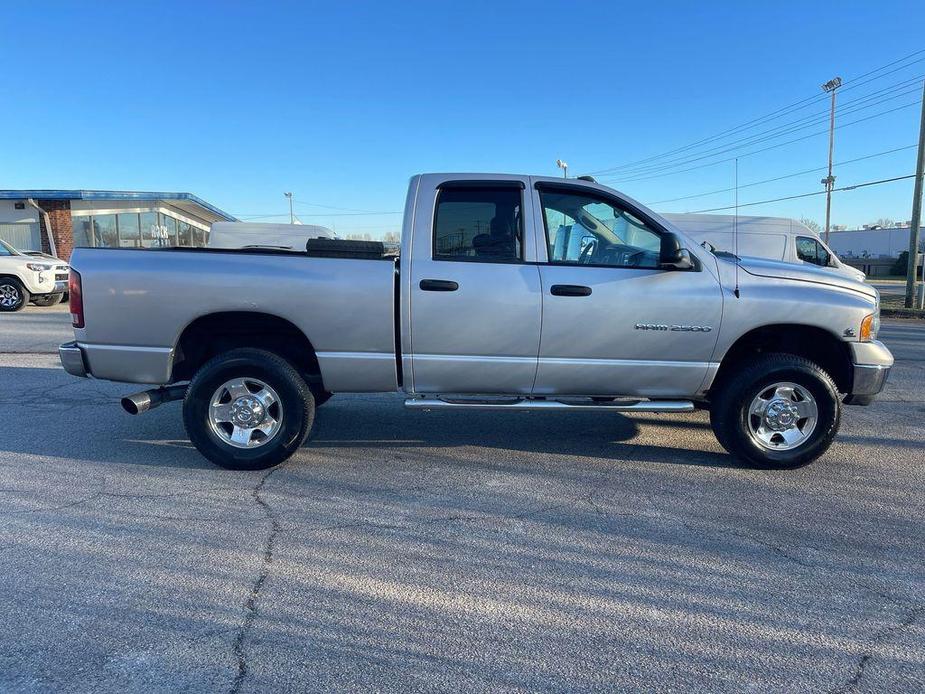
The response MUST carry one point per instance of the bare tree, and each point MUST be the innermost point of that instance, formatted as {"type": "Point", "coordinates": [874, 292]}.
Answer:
{"type": "Point", "coordinates": [811, 224]}
{"type": "Point", "coordinates": [885, 223]}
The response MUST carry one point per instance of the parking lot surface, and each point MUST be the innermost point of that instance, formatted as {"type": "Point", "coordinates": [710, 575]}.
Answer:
{"type": "Point", "coordinates": [455, 550]}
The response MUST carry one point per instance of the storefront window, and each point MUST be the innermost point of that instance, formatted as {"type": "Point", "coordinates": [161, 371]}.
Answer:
{"type": "Point", "coordinates": [80, 226]}
{"type": "Point", "coordinates": [104, 231]}
{"type": "Point", "coordinates": [185, 234]}
{"type": "Point", "coordinates": [129, 231]}
{"type": "Point", "coordinates": [168, 231]}
{"type": "Point", "coordinates": [149, 229]}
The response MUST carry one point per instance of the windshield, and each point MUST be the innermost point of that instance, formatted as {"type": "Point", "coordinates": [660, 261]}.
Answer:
{"type": "Point", "coordinates": [7, 249]}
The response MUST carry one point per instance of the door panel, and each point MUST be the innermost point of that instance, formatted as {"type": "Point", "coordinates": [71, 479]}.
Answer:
{"type": "Point", "coordinates": [482, 337]}
{"type": "Point", "coordinates": [474, 302]}
{"type": "Point", "coordinates": [591, 345]}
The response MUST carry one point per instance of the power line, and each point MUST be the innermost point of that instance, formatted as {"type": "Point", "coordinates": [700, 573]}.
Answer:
{"type": "Point", "coordinates": [332, 207]}
{"type": "Point", "coordinates": [793, 127]}
{"type": "Point", "coordinates": [805, 195]}
{"type": "Point", "coordinates": [780, 112]}
{"type": "Point", "coordinates": [319, 214]}
{"type": "Point", "coordinates": [854, 84]}
{"type": "Point", "coordinates": [781, 178]}
{"type": "Point", "coordinates": [763, 149]}
{"type": "Point", "coordinates": [908, 87]}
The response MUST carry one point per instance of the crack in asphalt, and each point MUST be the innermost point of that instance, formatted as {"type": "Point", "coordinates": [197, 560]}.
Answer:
{"type": "Point", "coordinates": [98, 494]}
{"type": "Point", "coordinates": [880, 637]}
{"type": "Point", "coordinates": [250, 605]}
{"type": "Point", "coordinates": [914, 611]}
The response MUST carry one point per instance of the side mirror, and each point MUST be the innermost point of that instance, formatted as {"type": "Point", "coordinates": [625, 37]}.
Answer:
{"type": "Point", "coordinates": [672, 256]}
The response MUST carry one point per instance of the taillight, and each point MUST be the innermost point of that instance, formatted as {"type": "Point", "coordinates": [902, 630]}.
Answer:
{"type": "Point", "coordinates": [76, 299]}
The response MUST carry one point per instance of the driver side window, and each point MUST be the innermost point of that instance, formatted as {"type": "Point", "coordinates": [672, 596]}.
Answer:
{"type": "Point", "coordinates": [811, 251]}
{"type": "Point", "coordinates": [582, 229]}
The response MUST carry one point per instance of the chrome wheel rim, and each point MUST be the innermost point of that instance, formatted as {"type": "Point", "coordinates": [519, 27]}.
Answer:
{"type": "Point", "coordinates": [782, 416]}
{"type": "Point", "coordinates": [9, 296]}
{"type": "Point", "coordinates": [245, 413]}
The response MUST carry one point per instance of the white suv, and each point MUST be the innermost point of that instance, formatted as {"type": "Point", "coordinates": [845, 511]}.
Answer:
{"type": "Point", "coordinates": [24, 278]}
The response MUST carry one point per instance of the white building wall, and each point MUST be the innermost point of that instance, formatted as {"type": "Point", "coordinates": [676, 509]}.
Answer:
{"type": "Point", "coordinates": [10, 215]}
{"type": "Point", "coordinates": [870, 243]}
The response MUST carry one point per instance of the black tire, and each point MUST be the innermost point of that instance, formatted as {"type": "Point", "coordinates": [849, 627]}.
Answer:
{"type": "Point", "coordinates": [13, 295]}
{"type": "Point", "coordinates": [321, 397]}
{"type": "Point", "coordinates": [731, 399]}
{"type": "Point", "coordinates": [295, 398]}
{"type": "Point", "coordinates": [46, 299]}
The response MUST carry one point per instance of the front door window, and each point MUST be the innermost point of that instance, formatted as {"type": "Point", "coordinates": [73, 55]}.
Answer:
{"type": "Point", "coordinates": [582, 229]}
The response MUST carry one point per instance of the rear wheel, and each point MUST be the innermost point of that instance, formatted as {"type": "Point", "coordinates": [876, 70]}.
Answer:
{"type": "Point", "coordinates": [248, 409]}
{"type": "Point", "coordinates": [776, 411]}
{"type": "Point", "coordinates": [13, 296]}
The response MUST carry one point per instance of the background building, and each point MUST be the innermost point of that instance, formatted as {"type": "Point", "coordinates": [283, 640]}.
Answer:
{"type": "Point", "coordinates": [57, 221]}
{"type": "Point", "coordinates": [870, 243]}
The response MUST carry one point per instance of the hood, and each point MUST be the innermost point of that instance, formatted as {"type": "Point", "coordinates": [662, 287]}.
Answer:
{"type": "Point", "coordinates": [19, 262]}
{"type": "Point", "coordinates": [852, 272]}
{"type": "Point", "coordinates": [778, 269]}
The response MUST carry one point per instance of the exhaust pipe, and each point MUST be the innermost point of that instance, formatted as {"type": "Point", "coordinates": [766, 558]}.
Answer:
{"type": "Point", "coordinates": [149, 399]}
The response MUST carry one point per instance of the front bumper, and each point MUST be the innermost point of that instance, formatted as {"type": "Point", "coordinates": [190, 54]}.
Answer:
{"type": "Point", "coordinates": [58, 288]}
{"type": "Point", "coordinates": [72, 359]}
{"type": "Point", "coordinates": [872, 364]}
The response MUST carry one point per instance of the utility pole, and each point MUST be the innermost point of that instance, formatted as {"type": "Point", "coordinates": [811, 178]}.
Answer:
{"type": "Point", "coordinates": [564, 166]}
{"type": "Point", "coordinates": [829, 181]}
{"type": "Point", "coordinates": [291, 218]}
{"type": "Point", "coordinates": [916, 212]}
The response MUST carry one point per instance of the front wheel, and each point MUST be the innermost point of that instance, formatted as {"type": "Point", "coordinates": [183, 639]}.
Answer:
{"type": "Point", "coordinates": [13, 295]}
{"type": "Point", "coordinates": [248, 409]}
{"type": "Point", "coordinates": [776, 411]}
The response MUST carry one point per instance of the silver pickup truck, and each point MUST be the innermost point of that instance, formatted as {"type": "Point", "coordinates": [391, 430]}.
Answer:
{"type": "Point", "coordinates": [510, 292]}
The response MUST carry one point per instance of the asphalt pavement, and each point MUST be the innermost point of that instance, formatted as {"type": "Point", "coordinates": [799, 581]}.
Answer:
{"type": "Point", "coordinates": [463, 551]}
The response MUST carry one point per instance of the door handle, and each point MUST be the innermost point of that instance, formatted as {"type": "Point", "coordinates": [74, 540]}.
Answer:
{"type": "Point", "coordinates": [570, 290]}
{"type": "Point", "coordinates": [439, 285]}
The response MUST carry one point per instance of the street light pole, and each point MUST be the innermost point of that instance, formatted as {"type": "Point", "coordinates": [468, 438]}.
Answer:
{"type": "Point", "coordinates": [564, 166]}
{"type": "Point", "coordinates": [916, 213]}
{"type": "Point", "coordinates": [291, 218]}
{"type": "Point", "coordinates": [829, 181]}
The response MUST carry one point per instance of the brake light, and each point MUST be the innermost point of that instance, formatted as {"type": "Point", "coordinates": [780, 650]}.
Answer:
{"type": "Point", "coordinates": [75, 299]}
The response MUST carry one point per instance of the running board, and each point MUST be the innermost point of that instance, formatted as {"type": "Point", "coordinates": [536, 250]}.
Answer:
{"type": "Point", "coordinates": [525, 404]}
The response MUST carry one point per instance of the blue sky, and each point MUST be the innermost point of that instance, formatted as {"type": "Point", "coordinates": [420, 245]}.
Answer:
{"type": "Point", "coordinates": [342, 102]}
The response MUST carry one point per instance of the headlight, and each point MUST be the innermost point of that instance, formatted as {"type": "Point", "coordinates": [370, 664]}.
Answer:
{"type": "Point", "coordinates": [870, 326]}
{"type": "Point", "coordinates": [35, 267]}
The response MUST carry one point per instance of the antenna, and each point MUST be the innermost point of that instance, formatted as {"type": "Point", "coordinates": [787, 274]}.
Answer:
{"type": "Point", "coordinates": [735, 229]}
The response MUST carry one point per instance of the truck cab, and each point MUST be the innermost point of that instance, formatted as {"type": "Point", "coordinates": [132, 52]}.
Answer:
{"type": "Point", "coordinates": [536, 286]}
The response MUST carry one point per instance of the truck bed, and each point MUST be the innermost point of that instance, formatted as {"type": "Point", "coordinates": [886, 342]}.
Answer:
{"type": "Point", "coordinates": [344, 306]}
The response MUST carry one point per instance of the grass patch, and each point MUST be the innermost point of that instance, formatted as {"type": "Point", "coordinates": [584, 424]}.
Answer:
{"type": "Point", "coordinates": [894, 307]}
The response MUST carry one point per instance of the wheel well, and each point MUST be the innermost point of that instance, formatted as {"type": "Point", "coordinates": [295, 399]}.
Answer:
{"type": "Point", "coordinates": [211, 335]}
{"type": "Point", "coordinates": [816, 344]}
